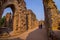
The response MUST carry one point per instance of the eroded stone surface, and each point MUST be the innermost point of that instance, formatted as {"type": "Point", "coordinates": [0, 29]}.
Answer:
{"type": "Point", "coordinates": [22, 20]}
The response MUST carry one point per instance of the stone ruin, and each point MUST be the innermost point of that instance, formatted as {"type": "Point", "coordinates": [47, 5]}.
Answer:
{"type": "Point", "coordinates": [24, 19]}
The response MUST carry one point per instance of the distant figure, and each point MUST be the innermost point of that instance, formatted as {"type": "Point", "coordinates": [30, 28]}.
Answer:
{"type": "Point", "coordinates": [40, 26]}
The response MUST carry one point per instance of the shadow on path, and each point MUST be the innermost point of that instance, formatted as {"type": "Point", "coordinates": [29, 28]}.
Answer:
{"type": "Point", "coordinates": [38, 34]}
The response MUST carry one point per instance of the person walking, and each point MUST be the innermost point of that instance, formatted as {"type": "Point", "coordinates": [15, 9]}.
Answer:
{"type": "Point", "coordinates": [40, 26]}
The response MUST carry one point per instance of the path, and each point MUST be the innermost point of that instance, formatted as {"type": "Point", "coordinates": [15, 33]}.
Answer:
{"type": "Point", "coordinates": [33, 34]}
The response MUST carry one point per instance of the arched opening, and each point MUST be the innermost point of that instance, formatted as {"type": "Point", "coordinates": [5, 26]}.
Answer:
{"type": "Point", "coordinates": [7, 10]}
{"type": "Point", "coordinates": [7, 17]}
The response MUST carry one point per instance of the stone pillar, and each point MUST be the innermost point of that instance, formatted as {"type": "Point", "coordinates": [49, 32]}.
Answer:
{"type": "Point", "coordinates": [50, 11]}
{"type": "Point", "coordinates": [15, 23]}
{"type": "Point", "coordinates": [19, 23]}
{"type": "Point", "coordinates": [29, 19]}
{"type": "Point", "coordinates": [23, 23]}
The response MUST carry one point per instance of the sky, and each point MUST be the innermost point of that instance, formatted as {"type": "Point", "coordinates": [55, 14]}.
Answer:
{"type": "Point", "coordinates": [36, 6]}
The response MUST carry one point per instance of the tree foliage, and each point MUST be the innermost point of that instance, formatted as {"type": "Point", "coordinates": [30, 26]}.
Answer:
{"type": "Point", "coordinates": [2, 21]}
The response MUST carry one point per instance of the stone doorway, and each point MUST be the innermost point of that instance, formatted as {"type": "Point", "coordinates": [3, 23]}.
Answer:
{"type": "Point", "coordinates": [9, 18]}
{"type": "Point", "coordinates": [14, 6]}
{"type": "Point", "coordinates": [8, 23]}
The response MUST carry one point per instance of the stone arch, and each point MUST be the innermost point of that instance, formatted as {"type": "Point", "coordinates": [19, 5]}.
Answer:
{"type": "Point", "coordinates": [19, 11]}
{"type": "Point", "coordinates": [12, 7]}
{"type": "Point", "coordinates": [13, 4]}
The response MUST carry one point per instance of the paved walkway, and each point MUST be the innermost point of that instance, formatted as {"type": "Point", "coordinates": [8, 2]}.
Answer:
{"type": "Point", "coordinates": [33, 34]}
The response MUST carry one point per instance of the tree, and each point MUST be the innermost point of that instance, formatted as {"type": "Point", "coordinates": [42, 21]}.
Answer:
{"type": "Point", "coordinates": [2, 20]}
